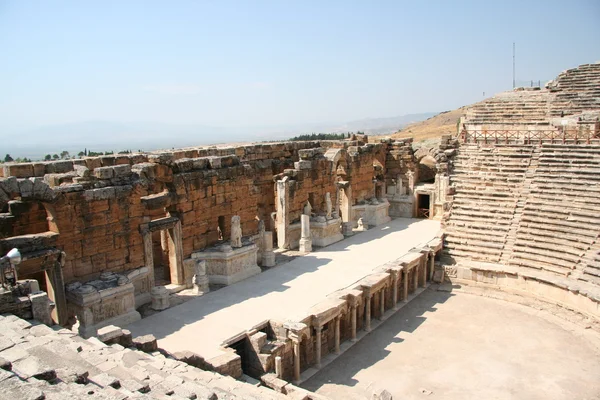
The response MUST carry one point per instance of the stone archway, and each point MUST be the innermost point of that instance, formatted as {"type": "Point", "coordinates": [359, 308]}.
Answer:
{"type": "Point", "coordinates": [35, 234]}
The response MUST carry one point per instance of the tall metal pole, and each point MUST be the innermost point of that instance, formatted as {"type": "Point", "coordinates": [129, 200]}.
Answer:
{"type": "Point", "coordinates": [514, 82]}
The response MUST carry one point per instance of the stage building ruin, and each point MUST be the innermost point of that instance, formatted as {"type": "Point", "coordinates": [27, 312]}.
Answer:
{"type": "Point", "coordinates": [516, 191]}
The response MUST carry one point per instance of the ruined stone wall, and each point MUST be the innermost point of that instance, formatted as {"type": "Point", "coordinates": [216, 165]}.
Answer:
{"type": "Point", "coordinates": [399, 160]}
{"type": "Point", "coordinates": [312, 184]}
{"type": "Point", "coordinates": [94, 206]}
{"type": "Point", "coordinates": [23, 217]}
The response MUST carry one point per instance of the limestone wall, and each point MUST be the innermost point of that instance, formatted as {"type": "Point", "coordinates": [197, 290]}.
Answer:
{"type": "Point", "coordinates": [95, 206]}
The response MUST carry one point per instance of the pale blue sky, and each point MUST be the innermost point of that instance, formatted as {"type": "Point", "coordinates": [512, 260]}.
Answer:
{"type": "Point", "coordinates": [240, 63]}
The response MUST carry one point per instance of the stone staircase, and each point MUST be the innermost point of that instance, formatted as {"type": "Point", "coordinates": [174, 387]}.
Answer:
{"type": "Point", "coordinates": [39, 362]}
{"type": "Point", "coordinates": [511, 237]}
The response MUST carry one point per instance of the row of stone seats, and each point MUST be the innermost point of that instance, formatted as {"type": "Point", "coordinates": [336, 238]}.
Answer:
{"type": "Point", "coordinates": [576, 90]}
{"type": "Point", "coordinates": [39, 362]}
{"type": "Point", "coordinates": [487, 182]}
{"type": "Point", "coordinates": [561, 218]}
{"type": "Point", "coordinates": [522, 106]}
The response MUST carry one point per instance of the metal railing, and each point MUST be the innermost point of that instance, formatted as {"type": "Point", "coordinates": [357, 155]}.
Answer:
{"type": "Point", "coordinates": [576, 135]}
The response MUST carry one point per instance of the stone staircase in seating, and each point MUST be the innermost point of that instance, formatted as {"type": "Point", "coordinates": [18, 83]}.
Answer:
{"type": "Point", "coordinates": [521, 202]}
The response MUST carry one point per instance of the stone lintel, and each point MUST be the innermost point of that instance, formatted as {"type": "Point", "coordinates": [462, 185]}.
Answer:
{"type": "Point", "coordinates": [373, 283]}
{"type": "Point", "coordinates": [29, 243]}
{"type": "Point", "coordinates": [156, 201]}
{"type": "Point", "coordinates": [161, 224]}
{"type": "Point", "coordinates": [325, 311]}
{"type": "Point", "coordinates": [410, 260]}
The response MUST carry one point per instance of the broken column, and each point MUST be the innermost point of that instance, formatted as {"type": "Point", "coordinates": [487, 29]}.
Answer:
{"type": "Point", "coordinates": [200, 280]}
{"type": "Point", "coordinates": [283, 240]}
{"type": "Point", "coordinates": [268, 256]}
{"type": "Point", "coordinates": [40, 307]}
{"type": "Point", "coordinates": [305, 240]}
{"type": "Point", "coordinates": [328, 205]}
{"type": "Point", "coordinates": [160, 298]}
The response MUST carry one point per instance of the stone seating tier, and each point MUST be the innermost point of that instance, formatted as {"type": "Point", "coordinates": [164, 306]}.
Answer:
{"type": "Point", "coordinates": [40, 362]}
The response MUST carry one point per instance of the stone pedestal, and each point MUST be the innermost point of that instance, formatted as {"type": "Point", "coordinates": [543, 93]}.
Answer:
{"type": "Point", "coordinates": [347, 228]}
{"type": "Point", "coordinates": [160, 298]}
{"type": "Point", "coordinates": [226, 265]}
{"type": "Point", "coordinates": [107, 301]}
{"type": "Point", "coordinates": [373, 214]}
{"type": "Point", "coordinates": [326, 232]}
{"type": "Point", "coordinates": [401, 206]}
{"type": "Point", "coordinates": [305, 245]}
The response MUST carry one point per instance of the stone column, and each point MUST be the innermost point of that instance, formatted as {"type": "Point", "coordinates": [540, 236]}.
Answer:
{"type": "Point", "coordinates": [381, 303]}
{"type": "Point", "coordinates": [346, 208]}
{"type": "Point", "coordinates": [282, 213]}
{"type": "Point", "coordinates": [56, 290]}
{"type": "Point", "coordinates": [353, 312]}
{"type": "Point", "coordinates": [394, 290]}
{"type": "Point", "coordinates": [318, 329]}
{"type": "Point", "coordinates": [268, 256]}
{"type": "Point", "coordinates": [305, 239]}
{"type": "Point", "coordinates": [368, 312]}
{"type": "Point", "coordinates": [431, 265]}
{"type": "Point", "coordinates": [337, 334]}
{"type": "Point", "coordinates": [415, 281]}
{"type": "Point", "coordinates": [405, 285]}
{"type": "Point", "coordinates": [296, 349]}
{"type": "Point", "coordinates": [424, 271]}
{"type": "Point", "coordinates": [176, 254]}
{"type": "Point", "coordinates": [278, 367]}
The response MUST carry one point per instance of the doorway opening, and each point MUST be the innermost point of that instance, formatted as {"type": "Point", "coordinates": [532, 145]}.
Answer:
{"type": "Point", "coordinates": [160, 251]}
{"type": "Point", "coordinates": [423, 201]}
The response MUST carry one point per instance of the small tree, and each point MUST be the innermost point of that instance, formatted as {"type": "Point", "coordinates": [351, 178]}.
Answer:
{"type": "Point", "coordinates": [81, 154]}
{"type": "Point", "coordinates": [47, 157]}
{"type": "Point", "coordinates": [64, 154]}
{"type": "Point", "coordinates": [8, 158]}
{"type": "Point", "coordinates": [55, 156]}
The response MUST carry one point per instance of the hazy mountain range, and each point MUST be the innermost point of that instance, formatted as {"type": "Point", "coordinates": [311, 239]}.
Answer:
{"type": "Point", "coordinates": [117, 136]}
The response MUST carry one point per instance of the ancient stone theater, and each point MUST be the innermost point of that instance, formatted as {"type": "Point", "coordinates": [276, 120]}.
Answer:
{"type": "Point", "coordinates": [242, 272]}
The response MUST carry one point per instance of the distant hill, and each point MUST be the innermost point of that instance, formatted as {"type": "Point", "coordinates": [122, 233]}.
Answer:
{"type": "Point", "coordinates": [380, 126]}
{"type": "Point", "coordinates": [432, 128]}
{"type": "Point", "coordinates": [143, 135]}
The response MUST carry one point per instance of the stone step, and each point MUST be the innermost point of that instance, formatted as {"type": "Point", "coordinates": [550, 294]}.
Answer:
{"type": "Point", "coordinates": [558, 228]}
{"type": "Point", "coordinates": [581, 242]}
{"type": "Point", "coordinates": [576, 223]}
{"type": "Point", "coordinates": [538, 248]}
{"type": "Point", "coordinates": [469, 254]}
{"type": "Point", "coordinates": [467, 219]}
{"type": "Point", "coordinates": [496, 216]}
{"type": "Point", "coordinates": [535, 264]}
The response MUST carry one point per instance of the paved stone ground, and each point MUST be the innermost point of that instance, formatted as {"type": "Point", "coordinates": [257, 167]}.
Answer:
{"type": "Point", "coordinates": [202, 324]}
{"type": "Point", "coordinates": [462, 346]}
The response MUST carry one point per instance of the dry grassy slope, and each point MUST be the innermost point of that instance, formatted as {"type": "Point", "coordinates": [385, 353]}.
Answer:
{"type": "Point", "coordinates": [432, 128]}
